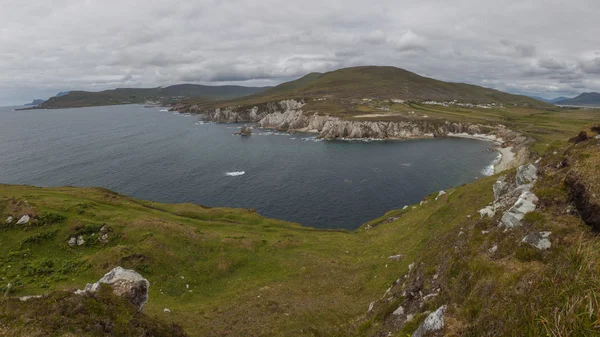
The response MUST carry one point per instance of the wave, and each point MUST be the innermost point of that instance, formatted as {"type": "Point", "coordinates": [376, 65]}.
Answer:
{"type": "Point", "coordinates": [490, 169]}
{"type": "Point", "coordinates": [235, 173]}
{"type": "Point", "coordinates": [164, 110]}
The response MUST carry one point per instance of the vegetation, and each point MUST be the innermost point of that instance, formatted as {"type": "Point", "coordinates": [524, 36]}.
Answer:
{"type": "Point", "coordinates": [165, 95]}
{"type": "Point", "coordinates": [232, 272]}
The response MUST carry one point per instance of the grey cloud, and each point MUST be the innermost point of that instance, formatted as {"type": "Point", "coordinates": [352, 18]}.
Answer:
{"type": "Point", "coordinates": [51, 46]}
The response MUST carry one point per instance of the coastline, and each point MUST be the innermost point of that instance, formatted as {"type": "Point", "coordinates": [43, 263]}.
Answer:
{"type": "Point", "coordinates": [506, 154]}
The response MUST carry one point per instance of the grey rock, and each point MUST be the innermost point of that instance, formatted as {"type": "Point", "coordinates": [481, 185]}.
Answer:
{"type": "Point", "coordinates": [525, 204]}
{"type": "Point", "coordinates": [167, 310]}
{"type": "Point", "coordinates": [27, 298]}
{"type": "Point", "coordinates": [399, 311]}
{"type": "Point", "coordinates": [103, 238]}
{"type": "Point", "coordinates": [440, 194]}
{"type": "Point", "coordinates": [244, 131]}
{"type": "Point", "coordinates": [371, 306]}
{"type": "Point", "coordinates": [80, 240]}
{"type": "Point", "coordinates": [488, 211]}
{"type": "Point", "coordinates": [396, 257]}
{"type": "Point", "coordinates": [433, 322]}
{"type": "Point", "coordinates": [538, 240]}
{"type": "Point", "coordinates": [597, 137]}
{"type": "Point", "coordinates": [500, 188]}
{"type": "Point", "coordinates": [125, 283]}
{"type": "Point", "coordinates": [526, 174]}
{"type": "Point", "coordinates": [24, 220]}
{"type": "Point", "coordinates": [493, 250]}
{"type": "Point", "coordinates": [72, 241]}
{"type": "Point", "coordinates": [9, 220]}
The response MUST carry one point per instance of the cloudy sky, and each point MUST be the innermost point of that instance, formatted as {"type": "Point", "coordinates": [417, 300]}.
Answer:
{"type": "Point", "coordinates": [538, 47]}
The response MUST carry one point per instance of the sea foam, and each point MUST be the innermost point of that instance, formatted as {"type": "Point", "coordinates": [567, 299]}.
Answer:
{"type": "Point", "coordinates": [235, 173]}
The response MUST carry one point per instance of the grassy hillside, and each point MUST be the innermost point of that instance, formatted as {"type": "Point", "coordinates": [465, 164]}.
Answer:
{"type": "Point", "coordinates": [383, 83]}
{"type": "Point", "coordinates": [133, 95]}
{"type": "Point", "coordinates": [231, 272]}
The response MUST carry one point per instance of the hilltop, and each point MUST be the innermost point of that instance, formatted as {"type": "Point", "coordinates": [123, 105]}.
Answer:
{"type": "Point", "coordinates": [161, 95]}
{"type": "Point", "coordinates": [588, 98]}
{"type": "Point", "coordinates": [231, 272]}
{"type": "Point", "coordinates": [381, 83]}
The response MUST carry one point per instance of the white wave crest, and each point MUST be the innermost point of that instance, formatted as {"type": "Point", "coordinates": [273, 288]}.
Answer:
{"type": "Point", "coordinates": [490, 169]}
{"type": "Point", "coordinates": [235, 173]}
{"type": "Point", "coordinates": [164, 110]}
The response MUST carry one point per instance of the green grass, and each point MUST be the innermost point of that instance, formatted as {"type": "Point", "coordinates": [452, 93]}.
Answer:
{"type": "Point", "coordinates": [219, 270]}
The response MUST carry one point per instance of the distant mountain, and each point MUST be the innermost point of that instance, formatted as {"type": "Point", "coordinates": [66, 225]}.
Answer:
{"type": "Point", "coordinates": [552, 100]}
{"type": "Point", "coordinates": [35, 102]}
{"type": "Point", "coordinates": [172, 93]}
{"type": "Point", "coordinates": [62, 93]}
{"type": "Point", "coordinates": [586, 99]}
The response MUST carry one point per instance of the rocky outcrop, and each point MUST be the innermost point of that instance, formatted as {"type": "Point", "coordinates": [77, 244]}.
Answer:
{"type": "Point", "coordinates": [526, 174]}
{"type": "Point", "coordinates": [244, 131]}
{"type": "Point", "coordinates": [125, 283]}
{"type": "Point", "coordinates": [526, 203]}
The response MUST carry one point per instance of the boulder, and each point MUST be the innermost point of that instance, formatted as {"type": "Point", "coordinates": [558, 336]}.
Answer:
{"type": "Point", "coordinates": [501, 187]}
{"type": "Point", "coordinates": [399, 311]}
{"type": "Point", "coordinates": [433, 322]}
{"type": "Point", "coordinates": [9, 220]}
{"type": "Point", "coordinates": [488, 211]}
{"type": "Point", "coordinates": [80, 240]}
{"type": "Point", "coordinates": [538, 240]}
{"type": "Point", "coordinates": [72, 241]}
{"type": "Point", "coordinates": [24, 220]}
{"type": "Point", "coordinates": [125, 283]}
{"type": "Point", "coordinates": [525, 204]}
{"type": "Point", "coordinates": [526, 174]}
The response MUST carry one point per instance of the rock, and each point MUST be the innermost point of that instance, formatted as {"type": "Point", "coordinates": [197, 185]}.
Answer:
{"type": "Point", "coordinates": [27, 298]}
{"type": "Point", "coordinates": [399, 311]}
{"type": "Point", "coordinates": [488, 211]}
{"type": "Point", "coordinates": [103, 238]}
{"type": "Point", "coordinates": [597, 137]}
{"type": "Point", "coordinates": [538, 240]}
{"type": "Point", "coordinates": [396, 257]}
{"type": "Point", "coordinates": [440, 194]}
{"type": "Point", "coordinates": [9, 220]}
{"type": "Point", "coordinates": [526, 174]}
{"type": "Point", "coordinates": [104, 229]}
{"type": "Point", "coordinates": [24, 220]}
{"type": "Point", "coordinates": [433, 322]}
{"type": "Point", "coordinates": [72, 241]}
{"type": "Point", "coordinates": [409, 318]}
{"type": "Point", "coordinates": [8, 289]}
{"type": "Point", "coordinates": [245, 131]}
{"type": "Point", "coordinates": [485, 232]}
{"type": "Point", "coordinates": [411, 266]}
{"type": "Point", "coordinates": [501, 187]}
{"type": "Point", "coordinates": [126, 283]}
{"type": "Point", "coordinates": [525, 204]}
{"type": "Point", "coordinates": [80, 240]}
{"type": "Point", "coordinates": [167, 310]}
{"type": "Point", "coordinates": [493, 250]}
{"type": "Point", "coordinates": [371, 306]}
{"type": "Point", "coordinates": [426, 297]}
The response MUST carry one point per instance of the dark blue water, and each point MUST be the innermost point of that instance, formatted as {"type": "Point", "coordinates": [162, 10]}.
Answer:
{"type": "Point", "coordinates": [167, 157]}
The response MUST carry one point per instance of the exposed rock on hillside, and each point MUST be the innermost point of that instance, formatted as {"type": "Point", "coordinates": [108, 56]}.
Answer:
{"type": "Point", "coordinates": [126, 283]}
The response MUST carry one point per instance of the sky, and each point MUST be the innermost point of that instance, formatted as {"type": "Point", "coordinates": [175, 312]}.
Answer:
{"type": "Point", "coordinates": [547, 48]}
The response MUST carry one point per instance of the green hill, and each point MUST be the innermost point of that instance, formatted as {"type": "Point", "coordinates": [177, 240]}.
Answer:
{"type": "Point", "coordinates": [140, 95]}
{"type": "Point", "coordinates": [375, 82]}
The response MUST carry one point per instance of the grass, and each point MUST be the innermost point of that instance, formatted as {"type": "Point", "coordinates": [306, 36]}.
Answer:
{"type": "Point", "coordinates": [219, 271]}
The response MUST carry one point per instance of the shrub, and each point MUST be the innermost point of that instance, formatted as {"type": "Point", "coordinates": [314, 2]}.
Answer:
{"type": "Point", "coordinates": [39, 237]}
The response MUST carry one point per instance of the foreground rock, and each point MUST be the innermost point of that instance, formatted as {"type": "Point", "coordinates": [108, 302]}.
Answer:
{"type": "Point", "coordinates": [24, 220]}
{"type": "Point", "coordinates": [125, 283]}
{"type": "Point", "coordinates": [433, 322]}
{"type": "Point", "coordinates": [538, 240]}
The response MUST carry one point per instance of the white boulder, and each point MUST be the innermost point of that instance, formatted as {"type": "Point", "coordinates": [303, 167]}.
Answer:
{"type": "Point", "coordinates": [488, 211]}
{"type": "Point", "coordinates": [433, 322]}
{"type": "Point", "coordinates": [24, 220]}
{"type": "Point", "coordinates": [399, 311]}
{"type": "Point", "coordinates": [80, 240]}
{"type": "Point", "coordinates": [9, 220]}
{"type": "Point", "coordinates": [125, 283]}
{"type": "Point", "coordinates": [72, 241]}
